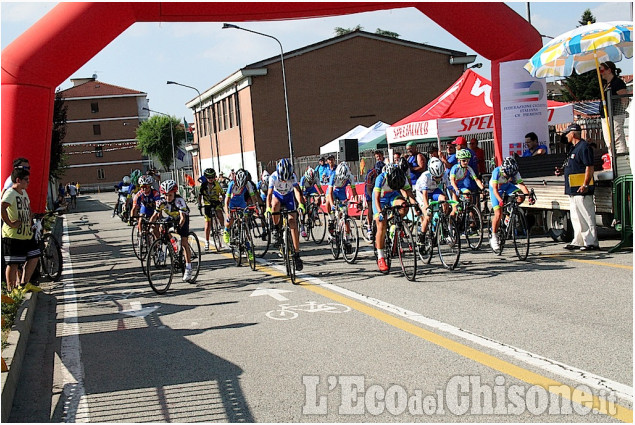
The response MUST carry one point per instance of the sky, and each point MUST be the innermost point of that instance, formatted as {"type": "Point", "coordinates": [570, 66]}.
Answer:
{"type": "Point", "coordinates": [147, 55]}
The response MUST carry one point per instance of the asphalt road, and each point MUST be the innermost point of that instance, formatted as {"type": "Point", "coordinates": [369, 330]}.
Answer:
{"type": "Point", "coordinates": [497, 340]}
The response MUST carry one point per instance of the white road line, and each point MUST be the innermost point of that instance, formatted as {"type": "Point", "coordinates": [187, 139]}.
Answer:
{"type": "Point", "coordinates": [574, 374]}
{"type": "Point", "coordinates": [75, 404]}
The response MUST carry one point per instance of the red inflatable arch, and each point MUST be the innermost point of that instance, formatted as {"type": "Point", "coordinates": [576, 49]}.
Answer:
{"type": "Point", "coordinates": [57, 45]}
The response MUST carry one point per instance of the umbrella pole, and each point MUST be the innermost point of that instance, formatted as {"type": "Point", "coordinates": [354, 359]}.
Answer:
{"type": "Point", "coordinates": [606, 115]}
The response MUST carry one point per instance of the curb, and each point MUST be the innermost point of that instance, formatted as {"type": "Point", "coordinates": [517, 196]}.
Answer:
{"type": "Point", "coordinates": [14, 353]}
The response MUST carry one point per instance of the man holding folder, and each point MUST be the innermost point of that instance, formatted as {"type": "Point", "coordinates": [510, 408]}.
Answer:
{"type": "Point", "coordinates": [579, 185]}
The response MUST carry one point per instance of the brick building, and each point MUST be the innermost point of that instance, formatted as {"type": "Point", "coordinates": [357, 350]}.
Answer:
{"type": "Point", "coordinates": [332, 86]}
{"type": "Point", "coordinates": [101, 128]}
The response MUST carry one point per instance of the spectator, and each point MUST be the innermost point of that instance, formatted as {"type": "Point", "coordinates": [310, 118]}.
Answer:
{"type": "Point", "coordinates": [461, 143]}
{"type": "Point", "coordinates": [396, 157]}
{"type": "Point", "coordinates": [533, 147]}
{"type": "Point", "coordinates": [18, 240]}
{"type": "Point", "coordinates": [614, 86]}
{"type": "Point", "coordinates": [61, 194]}
{"type": "Point", "coordinates": [480, 157]}
{"type": "Point", "coordinates": [321, 168]}
{"type": "Point", "coordinates": [223, 181]}
{"type": "Point", "coordinates": [433, 152]}
{"type": "Point", "coordinates": [417, 162]}
{"type": "Point", "coordinates": [232, 175]}
{"type": "Point", "coordinates": [326, 176]}
{"type": "Point", "coordinates": [379, 159]}
{"type": "Point", "coordinates": [17, 163]}
{"type": "Point", "coordinates": [578, 184]}
{"type": "Point", "coordinates": [77, 188]}
{"type": "Point", "coordinates": [72, 192]}
{"type": "Point", "coordinates": [449, 159]}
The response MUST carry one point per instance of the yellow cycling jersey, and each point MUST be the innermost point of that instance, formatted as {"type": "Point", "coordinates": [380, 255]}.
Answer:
{"type": "Point", "coordinates": [211, 192]}
{"type": "Point", "coordinates": [174, 208]}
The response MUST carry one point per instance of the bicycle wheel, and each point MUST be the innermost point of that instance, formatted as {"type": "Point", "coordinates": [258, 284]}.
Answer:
{"type": "Point", "coordinates": [234, 243]}
{"type": "Point", "coordinates": [51, 257]}
{"type": "Point", "coordinates": [195, 255]}
{"type": "Point", "coordinates": [407, 250]}
{"type": "Point", "coordinates": [335, 243]}
{"type": "Point", "coordinates": [215, 233]}
{"type": "Point", "coordinates": [288, 253]}
{"type": "Point", "coordinates": [520, 235]}
{"type": "Point", "coordinates": [388, 251]}
{"type": "Point", "coordinates": [260, 235]}
{"type": "Point", "coordinates": [363, 224]}
{"type": "Point", "coordinates": [319, 224]}
{"type": "Point", "coordinates": [160, 266]}
{"type": "Point", "coordinates": [249, 247]}
{"type": "Point", "coordinates": [448, 242]}
{"type": "Point", "coordinates": [146, 240]}
{"type": "Point", "coordinates": [473, 227]}
{"type": "Point", "coordinates": [350, 242]}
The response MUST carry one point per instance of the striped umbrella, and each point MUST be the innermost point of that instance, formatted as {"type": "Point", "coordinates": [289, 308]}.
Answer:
{"type": "Point", "coordinates": [583, 49]}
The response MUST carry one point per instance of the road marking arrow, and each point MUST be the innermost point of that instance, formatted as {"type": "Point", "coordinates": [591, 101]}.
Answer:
{"type": "Point", "coordinates": [274, 293]}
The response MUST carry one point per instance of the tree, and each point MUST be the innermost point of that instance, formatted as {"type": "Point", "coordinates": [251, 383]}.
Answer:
{"type": "Point", "coordinates": [582, 86]}
{"type": "Point", "coordinates": [386, 33]}
{"type": "Point", "coordinates": [341, 31]}
{"type": "Point", "coordinates": [58, 162]}
{"type": "Point", "coordinates": [155, 139]}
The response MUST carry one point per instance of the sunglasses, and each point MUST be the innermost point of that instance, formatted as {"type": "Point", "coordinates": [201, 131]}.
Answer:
{"type": "Point", "coordinates": [22, 167]}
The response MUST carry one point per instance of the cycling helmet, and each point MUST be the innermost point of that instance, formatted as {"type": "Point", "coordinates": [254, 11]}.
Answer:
{"type": "Point", "coordinates": [285, 169]}
{"type": "Point", "coordinates": [395, 177]}
{"type": "Point", "coordinates": [436, 167]}
{"type": "Point", "coordinates": [209, 173]}
{"type": "Point", "coordinates": [403, 164]}
{"type": "Point", "coordinates": [463, 154]}
{"type": "Point", "coordinates": [342, 171]}
{"type": "Point", "coordinates": [265, 177]}
{"type": "Point", "coordinates": [241, 178]}
{"type": "Point", "coordinates": [126, 180]}
{"type": "Point", "coordinates": [168, 186]}
{"type": "Point", "coordinates": [145, 180]}
{"type": "Point", "coordinates": [309, 175]}
{"type": "Point", "coordinates": [509, 166]}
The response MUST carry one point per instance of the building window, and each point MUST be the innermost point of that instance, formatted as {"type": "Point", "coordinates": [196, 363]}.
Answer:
{"type": "Point", "coordinates": [224, 103]}
{"type": "Point", "coordinates": [96, 129]}
{"type": "Point", "coordinates": [218, 117]}
{"type": "Point", "coordinates": [99, 151]}
{"type": "Point", "coordinates": [231, 111]}
{"type": "Point", "coordinates": [100, 174]}
{"type": "Point", "coordinates": [94, 107]}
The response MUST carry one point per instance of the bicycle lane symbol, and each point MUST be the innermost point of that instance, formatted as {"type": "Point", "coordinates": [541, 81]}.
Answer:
{"type": "Point", "coordinates": [290, 312]}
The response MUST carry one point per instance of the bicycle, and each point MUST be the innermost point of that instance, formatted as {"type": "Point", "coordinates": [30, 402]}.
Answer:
{"type": "Point", "coordinates": [367, 227]}
{"type": "Point", "coordinates": [240, 240]}
{"type": "Point", "coordinates": [287, 249]}
{"type": "Point", "coordinates": [315, 220]}
{"type": "Point", "coordinates": [442, 233]}
{"type": "Point", "coordinates": [470, 222]}
{"type": "Point", "coordinates": [216, 230]}
{"type": "Point", "coordinates": [513, 225]}
{"type": "Point", "coordinates": [398, 241]}
{"type": "Point", "coordinates": [141, 240]}
{"type": "Point", "coordinates": [341, 240]}
{"type": "Point", "coordinates": [51, 262]}
{"type": "Point", "coordinates": [166, 256]}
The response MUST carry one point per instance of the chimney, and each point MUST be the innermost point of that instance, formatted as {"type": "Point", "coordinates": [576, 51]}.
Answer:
{"type": "Point", "coordinates": [79, 81]}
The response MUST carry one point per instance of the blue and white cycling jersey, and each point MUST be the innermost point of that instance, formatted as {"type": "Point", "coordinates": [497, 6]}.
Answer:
{"type": "Point", "coordinates": [386, 194]}
{"type": "Point", "coordinates": [307, 189]}
{"type": "Point", "coordinates": [427, 183]}
{"type": "Point", "coordinates": [237, 196]}
{"type": "Point", "coordinates": [282, 187]}
{"type": "Point", "coordinates": [505, 185]}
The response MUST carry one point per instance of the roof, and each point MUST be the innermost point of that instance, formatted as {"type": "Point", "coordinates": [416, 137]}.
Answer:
{"type": "Point", "coordinates": [350, 35]}
{"type": "Point", "coordinates": [95, 88]}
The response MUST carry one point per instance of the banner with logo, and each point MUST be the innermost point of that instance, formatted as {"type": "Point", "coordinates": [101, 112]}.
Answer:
{"type": "Point", "coordinates": [523, 107]}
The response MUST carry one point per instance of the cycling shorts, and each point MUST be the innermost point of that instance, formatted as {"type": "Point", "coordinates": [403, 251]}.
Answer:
{"type": "Point", "coordinates": [237, 202]}
{"type": "Point", "coordinates": [387, 200]}
{"type": "Point", "coordinates": [146, 211]}
{"type": "Point", "coordinates": [209, 210]}
{"type": "Point", "coordinates": [507, 188]}
{"type": "Point", "coordinates": [310, 191]}
{"type": "Point", "coordinates": [340, 194]}
{"type": "Point", "coordinates": [287, 201]}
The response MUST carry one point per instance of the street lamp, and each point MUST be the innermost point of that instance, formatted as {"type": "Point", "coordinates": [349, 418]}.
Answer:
{"type": "Point", "coordinates": [198, 126]}
{"type": "Point", "coordinates": [476, 65]}
{"type": "Point", "coordinates": [284, 80]}
{"type": "Point", "coordinates": [176, 177]}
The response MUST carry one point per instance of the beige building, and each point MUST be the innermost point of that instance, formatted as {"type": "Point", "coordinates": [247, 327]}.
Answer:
{"type": "Point", "coordinates": [333, 86]}
{"type": "Point", "coordinates": [101, 128]}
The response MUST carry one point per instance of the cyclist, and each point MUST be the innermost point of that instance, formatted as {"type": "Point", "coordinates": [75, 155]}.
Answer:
{"type": "Point", "coordinates": [505, 179]}
{"type": "Point", "coordinates": [235, 198]}
{"type": "Point", "coordinates": [463, 177]}
{"type": "Point", "coordinates": [263, 186]}
{"type": "Point", "coordinates": [337, 190]}
{"type": "Point", "coordinates": [209, 200]}
{"type": "Point", "coordinates": [145, 200]}
{"type": "Point", "coordinates": [309, 186]}
{"type": "Point", "coordinates": [124, 190]}
{"type": "Point", "coordinates": [176, 208]}
{"type": "Point", "coordinates": [390, 187]}
{"type": "Point", "coordinates": [284, 191]}
{"type": "Point", "coordinates": [252, 188]}
{"type": "Point", "coordinates": [433, 184]}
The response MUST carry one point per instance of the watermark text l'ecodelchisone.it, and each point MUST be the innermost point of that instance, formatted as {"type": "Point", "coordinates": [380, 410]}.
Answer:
{"type": "Point", "coordinates": [462, 395]}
